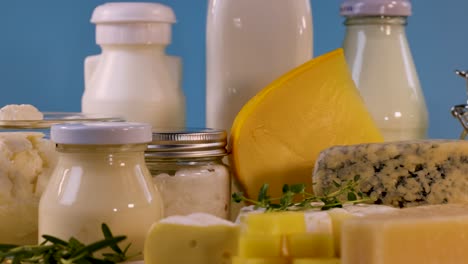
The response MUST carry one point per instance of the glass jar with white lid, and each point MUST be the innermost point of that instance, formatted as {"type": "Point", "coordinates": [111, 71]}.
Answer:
{"type": "Point", "coordinates": [100, 177]}
{"type": "Point", "coordinates": [187, 168]}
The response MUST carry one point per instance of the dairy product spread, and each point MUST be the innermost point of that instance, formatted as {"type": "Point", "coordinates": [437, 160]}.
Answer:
{"type": "Point", "coordinates": [26, 160]}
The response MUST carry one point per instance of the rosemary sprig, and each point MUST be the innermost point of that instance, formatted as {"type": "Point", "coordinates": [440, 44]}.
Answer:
{"type": "Point", "coordinates": [57, 251]}
{"type": "Point", "coordinates": [295, 197]}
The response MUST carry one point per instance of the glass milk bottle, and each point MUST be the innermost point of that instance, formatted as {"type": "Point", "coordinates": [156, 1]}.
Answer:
{"type": "Point", "coordinates": [382, 66]}
{"type": "Point", "coordinates": [133, 78]}
{"type": "Point", "coordinates": [250, 43]}
{"type": "Point", "coordinates": [100, 177]}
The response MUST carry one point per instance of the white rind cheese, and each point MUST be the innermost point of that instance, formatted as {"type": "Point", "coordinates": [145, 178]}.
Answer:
{"type": "Point", "coordinates": [400, 174]}
{"type": "Point", "coordinates": [194, 239]}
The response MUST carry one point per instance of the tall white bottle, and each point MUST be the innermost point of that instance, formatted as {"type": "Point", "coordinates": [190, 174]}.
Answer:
{"type": "Point", "coordinates": [378, 54]}
{"type": "Point", "coordinates": [133, 78]}
{"type": "Point", "coordinates": [249, 44]}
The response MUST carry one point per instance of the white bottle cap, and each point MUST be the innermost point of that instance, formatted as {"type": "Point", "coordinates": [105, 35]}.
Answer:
{"type": "Point", "coordinates": [101, 133]}
{"type": "Point", "coordinates": [350, 8]}
{"type": "Point", "coordinates": [133, 23]}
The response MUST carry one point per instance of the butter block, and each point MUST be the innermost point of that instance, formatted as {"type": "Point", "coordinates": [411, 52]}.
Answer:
{"type": "Point", "coordinates": [400, 174]}
{"type": "Point", "coordinates": [260, 246]}
{"type": "Point", "coordinates": [278, 134]}
{"type": "Point", "coordinates": [195, 239]}
{"type": "Point", "coordinates": [425, 234]}
{"type": "Point", "coordinates": [310, 245]}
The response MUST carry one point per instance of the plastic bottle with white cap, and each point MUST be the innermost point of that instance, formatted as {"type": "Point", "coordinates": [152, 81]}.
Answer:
{"type": "Point", "coordinates": [100, 177]}
{"type": "Point", "coordinates": [382, 66]}
{"type": "Point", "coordinates": [133, 78]}
{"type": "Point", "coordinates": [250, 44]}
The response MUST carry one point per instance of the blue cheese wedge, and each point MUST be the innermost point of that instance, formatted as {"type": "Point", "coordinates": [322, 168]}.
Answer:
{"type": "Point", "coordinates": [400, 174]}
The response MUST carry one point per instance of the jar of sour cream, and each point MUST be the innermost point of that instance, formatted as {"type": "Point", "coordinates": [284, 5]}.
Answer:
{"type": "Point", "coordinates": [187, 168]}
{"type": "Point", "coordinates": [100, 177]}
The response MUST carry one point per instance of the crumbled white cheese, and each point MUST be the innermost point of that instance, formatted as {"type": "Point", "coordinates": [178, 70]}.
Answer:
{"type": "Point", "coordinates": [26, 160]}
{"type": "Point", "coordinates": [20, 112]}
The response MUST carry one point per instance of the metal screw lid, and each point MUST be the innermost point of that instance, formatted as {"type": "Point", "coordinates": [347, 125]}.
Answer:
{"type": "Point", "coordinates": [187, 143]}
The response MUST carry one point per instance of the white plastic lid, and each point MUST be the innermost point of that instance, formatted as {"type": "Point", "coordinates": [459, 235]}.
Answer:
{"type": "Point", "coordinates": [133, 23]}
{"type": "Point", "coordinates": [101, 133]}
{"type": "Point", "coordinates": [351, 8]}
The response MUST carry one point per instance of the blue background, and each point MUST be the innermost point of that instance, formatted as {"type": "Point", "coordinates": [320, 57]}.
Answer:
{"type": "Point", "coordinates": [43, 44]}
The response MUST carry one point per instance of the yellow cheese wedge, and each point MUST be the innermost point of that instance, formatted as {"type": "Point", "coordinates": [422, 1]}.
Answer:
{"type": "Point", "coordinates": [278, 134]}
{"type": "Point", "coordinates": [426, 234]}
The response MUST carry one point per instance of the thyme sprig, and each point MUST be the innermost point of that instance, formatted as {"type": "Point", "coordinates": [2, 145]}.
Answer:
{"type": "Point", "coordinates": [296, 198]}
{"type": "Point", "coordinates": [55, 250]}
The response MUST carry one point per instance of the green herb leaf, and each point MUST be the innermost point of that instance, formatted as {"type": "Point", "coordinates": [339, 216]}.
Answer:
{"type": "Point", "coordinates": [57, 251]}
{"type": "Point", "coordinates": [296, 198]}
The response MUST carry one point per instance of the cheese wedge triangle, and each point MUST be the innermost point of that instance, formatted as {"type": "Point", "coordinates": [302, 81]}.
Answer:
{"type": "Point", "coordinates": [278, 134]}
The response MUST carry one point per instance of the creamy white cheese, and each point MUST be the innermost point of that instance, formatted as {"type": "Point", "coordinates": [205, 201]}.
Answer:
{"type": "Point", "coordinates": [20, 112]}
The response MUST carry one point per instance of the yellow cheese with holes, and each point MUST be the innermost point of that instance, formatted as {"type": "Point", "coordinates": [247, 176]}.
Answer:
{"type": "Point", "coordinates": [426, 234]}
{"type": "Point", "coordinates": [279, 133]}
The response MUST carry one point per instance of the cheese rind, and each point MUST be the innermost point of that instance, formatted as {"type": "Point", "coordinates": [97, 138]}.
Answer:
{"type": "Point", "coordinates": [400, 174]}
{"type": "Point", "coordinates": [425, 234]}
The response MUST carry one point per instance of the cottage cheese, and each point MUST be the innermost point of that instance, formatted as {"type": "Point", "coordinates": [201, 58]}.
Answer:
{"type": "Point", "coordinates": [20, 112]}
{"type": "Point", "coordinates": [25, 163]}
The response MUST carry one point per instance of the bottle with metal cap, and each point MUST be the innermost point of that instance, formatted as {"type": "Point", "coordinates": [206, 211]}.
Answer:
{"type": "Point", "coordinates": [133, 78]}
{"type": "Point", "coordinates": [187, 168]}
{"type": "Point", "coordinates": [100, 177]}
{"type": "Point", "coordinates": [382, 66]}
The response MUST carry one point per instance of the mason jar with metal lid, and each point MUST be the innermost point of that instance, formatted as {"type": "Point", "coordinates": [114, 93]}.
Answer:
{"type": "Point", "coordinates": [187, 168]}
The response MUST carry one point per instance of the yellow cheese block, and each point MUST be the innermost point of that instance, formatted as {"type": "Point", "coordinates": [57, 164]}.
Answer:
{"type": "Point", "coordinates": [278, 223]}
{"type": "Point", "coordinates": [278, 134]}
{"type": "Point", "coordinates": [310, 245]}
{"type": "Point", "coordinates": [426, 234]}
{"type": "Point", "coordinates": [260, 246]}
{"type": "Point", "coordinates": [239, 260]}
{"type": "Point", "coordinates": [316, 261]}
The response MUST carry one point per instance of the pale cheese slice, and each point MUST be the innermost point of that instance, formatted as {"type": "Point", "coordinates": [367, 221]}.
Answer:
{"type": "Point", "coordinates": [426, 234]}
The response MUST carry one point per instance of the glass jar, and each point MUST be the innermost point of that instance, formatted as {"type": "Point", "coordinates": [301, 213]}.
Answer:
{"type": "Point", "coordinates": [187, 168]}
{"type": "Point", "coordinates": [382, 66]}
{"type": "Point", "coordinates": [27, 158]}
{"type": "Point", "coordinates": [100, 177]}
